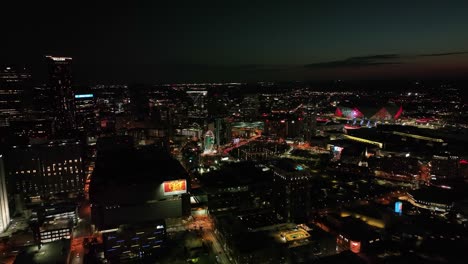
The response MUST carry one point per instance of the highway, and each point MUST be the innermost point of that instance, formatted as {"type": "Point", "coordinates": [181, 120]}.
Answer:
{"type": "Point", "coordinates": [241, 143]}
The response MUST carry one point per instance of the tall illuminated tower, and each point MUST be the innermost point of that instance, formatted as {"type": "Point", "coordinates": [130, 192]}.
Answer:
{"type": "Point", "coordinates": [209, 142]}
{"type": "Point", "coordinates": [4, 211]}
{"type": "Point", "coordinates": [84, 113]}
{"type": "Point", "coordinates": [198, 109]}
{"type": "Point", "coordinates": [61, 94]}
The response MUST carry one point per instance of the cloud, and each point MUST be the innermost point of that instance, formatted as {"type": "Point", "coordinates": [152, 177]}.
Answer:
{"type": "Point", "coordinates": [358, 62]}
{"type": "Point", "coordinates": [444, 54]}
{"type": "Point", "coordinates": [375, 60]}
{"type": "Point", "coordinates": [252, 67]}
{"type": "Point", "coordinates": [378, 57]}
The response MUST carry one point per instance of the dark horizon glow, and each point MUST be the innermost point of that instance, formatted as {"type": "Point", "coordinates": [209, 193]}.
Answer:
{"type": "Point", "coordinates": [219, 41]}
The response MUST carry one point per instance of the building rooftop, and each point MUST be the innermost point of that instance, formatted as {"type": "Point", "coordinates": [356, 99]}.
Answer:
{"type": "Point", "coordinates": [433, 195]}
{"type": "Point", "coordinates": [236, 174]}
{"type": "Point", "coordinates": [57, 224]}
{"type": "Point", "coordinates": [131, 175]}
{"type": "Point", "coordinates": [130, 166]}
{"type": "Point", "coordinates": [290, 169]}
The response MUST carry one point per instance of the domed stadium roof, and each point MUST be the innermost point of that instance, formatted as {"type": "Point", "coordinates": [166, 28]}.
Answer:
{"type": "Point", "coordinates": [372, 111]}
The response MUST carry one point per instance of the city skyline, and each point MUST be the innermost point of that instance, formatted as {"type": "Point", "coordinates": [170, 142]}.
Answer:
{"type": "Point", "coordinates": [234, 132]}
{"type": "Point", "coordinates": [238, 42]}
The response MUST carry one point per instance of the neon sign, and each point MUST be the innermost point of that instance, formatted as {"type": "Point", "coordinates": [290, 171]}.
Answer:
{"type": "Point", "coordinates": [84, 96]}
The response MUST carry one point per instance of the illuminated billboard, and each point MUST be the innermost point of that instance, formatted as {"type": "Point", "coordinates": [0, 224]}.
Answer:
{"type": "Point", "coordinates": [398, 207]}
{"type": "Point", "coordinates": [175, 187]}
{"type": "Point", "coordinates": [355, 246]}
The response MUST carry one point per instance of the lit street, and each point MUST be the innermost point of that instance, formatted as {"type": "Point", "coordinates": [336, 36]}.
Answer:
{"type": "Point", "coordinates": [82, 230]}
{"type": "Point", "coordinates": [205, 226]}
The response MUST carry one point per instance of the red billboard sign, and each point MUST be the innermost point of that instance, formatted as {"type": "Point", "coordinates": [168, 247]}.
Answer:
{"type": "Point", "coordinates": [175, 187]}
{"type": "Point", "coordinates": [355, 246]}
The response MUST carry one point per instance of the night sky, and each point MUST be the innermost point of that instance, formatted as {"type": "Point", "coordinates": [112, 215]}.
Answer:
{"type": "Point", "coordinates": [240, 40]}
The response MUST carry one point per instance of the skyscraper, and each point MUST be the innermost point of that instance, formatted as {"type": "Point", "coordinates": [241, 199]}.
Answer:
{"type": "Point", "coordinates": [14, 83]}
{"type": "Point", "coordinates": [61, 94]}
{"type": "Point", "coordinates": [4, 211]}
{"type": "Point", "coordinates": [139, 101]}
{"type": "Point", "coordinates": [85, 113]}
{"type": "Point", "coordinates": [293, 186]}
{"type": "Point", "coordinates": [198, 109]}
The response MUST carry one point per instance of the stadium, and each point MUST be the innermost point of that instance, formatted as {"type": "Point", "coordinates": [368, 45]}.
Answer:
{"type": "Point", "coordinates": [387, 112]}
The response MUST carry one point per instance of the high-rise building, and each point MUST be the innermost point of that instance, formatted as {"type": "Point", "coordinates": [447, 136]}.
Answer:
{"type": "Point", "coordinates": [284, 126]}
{"type": "Point", "coordinates": [293, 185]}
{"type": "Point", "coordinates": [250, 106]}
{"type": "Point", "coordinates": [310, 124]}
{"type": "Point", "coordinates": [85, 113]}
{"type": "Point", "coordinates": [198, 109]}
{"type": "Point", "coordinates": [209, 142]}
{"type": "Point", "coordinates": [4, 209]}
{"type": "Point", "coordinates": [139, 101]}
{"type": "Point", "coordinates": [223, 133]}
{"type": "Point", "coordinates": [61, 94]}
{"type": "Point", "coordinates": [41, 101]}
{"type": "Point", "coordinates": [445, 167]}
{"type": "Point", "coordinates": [15, 82]}
{"type": "Point", "coordinates": [31, 130]}
{"type": "Point", "coordinates": [46, 169]}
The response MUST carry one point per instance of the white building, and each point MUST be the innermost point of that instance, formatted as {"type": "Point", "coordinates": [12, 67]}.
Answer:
{"type": "Point", "coordinates": [4, 211]}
